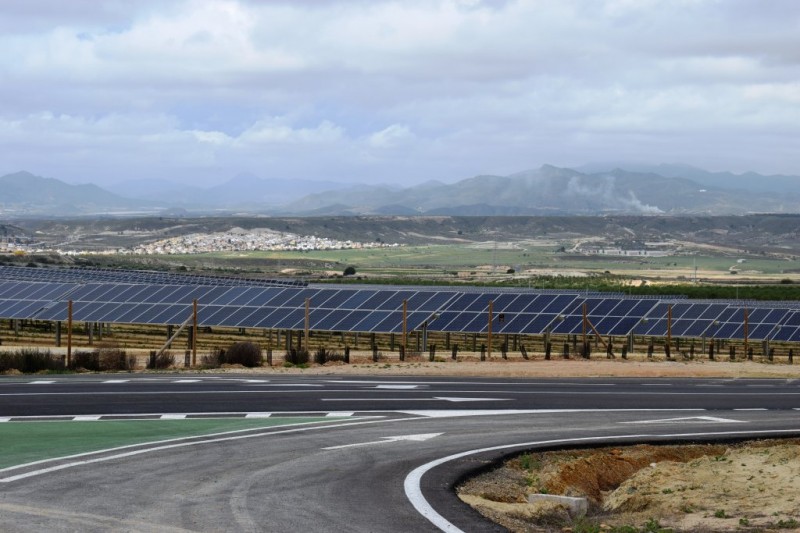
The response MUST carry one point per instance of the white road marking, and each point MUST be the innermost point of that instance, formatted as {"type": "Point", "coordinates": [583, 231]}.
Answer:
{"type": "Point", "coordinates": [413, 488]}
{"type": "Point", "coordinates": [86, 418]}
{"type": "Point", "coordinates": [750, 409]}
{"type": "Point", "coordinates": [432, 413]}
{"type": "Point", "coordinates": [656, 384]}
{"type": "Point", "coordinates": [333, 414]}
{"type": "Point", "coordinates": [258, 415]}
{"type": "Point", "coordinates": [116, 381]}
{"type": "Point", "coordinates": [5, 419]}
{"type": "Point", "coordinates": [397, 387]}
{"type": "Point", "coordinates": [187, 381]}
{"type": "Point", "coordinates": [387, 440]}
{"type": "Point", "coordinates": [40, 382]}
{"type": "Point", "coordinates": [683, 419]}
{"type": "Point", "coordinates": [440, 398]}
{"type": "Point", "coordinates": [459, 400]}
{"type": "Point", "coordinates": [173, 417]}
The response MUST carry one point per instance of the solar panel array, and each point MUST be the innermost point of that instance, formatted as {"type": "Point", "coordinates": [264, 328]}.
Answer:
{"type": "Point", "coordinates": [351, 308]}
{"type": "Point", "coordinates": [84, 275]}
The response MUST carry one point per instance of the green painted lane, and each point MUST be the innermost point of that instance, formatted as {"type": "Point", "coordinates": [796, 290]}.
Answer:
{"type": "Point", "coordinates": [25, 442]}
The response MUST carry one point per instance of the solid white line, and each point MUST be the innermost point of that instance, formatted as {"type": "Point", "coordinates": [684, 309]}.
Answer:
{"type": "Point", "coordinates": [684, 419]}
{"type": "Point", "coordinates": [86, 418]}
{"type": "Point", "coordinates": [333, 414]}
{"type": "Point", "coordinates": [396, 387]}
{"type": "Point", "coordinates": [258, 415]}
{"type": "Point", "coordinates": [116, 381]}
{"type": "Point", "coordinates": [173, 417]}
{"type": "Point", "coordinates": [186, 381]}
{"type": "Point", "coordinates": [40, 382]}
{"type": "Point", "coordinates": [452, 413]}
{"type": "Point", "coordinates": [750, 409]}
{"type": "Point", "coordinates": [413, 489]}
{"type": "Point", "coordinates": [311, 426]}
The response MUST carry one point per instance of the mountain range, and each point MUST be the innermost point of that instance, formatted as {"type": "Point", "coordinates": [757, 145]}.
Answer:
{"type": "Point", "coordinates": [549, 190]}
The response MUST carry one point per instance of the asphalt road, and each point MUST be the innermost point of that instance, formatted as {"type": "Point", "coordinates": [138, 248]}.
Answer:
{"type": "Point", "coordinates": [346, 475]}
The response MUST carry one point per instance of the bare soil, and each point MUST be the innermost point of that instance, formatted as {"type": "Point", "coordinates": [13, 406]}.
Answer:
{"type": "Point", "coordinates": [753, 486]}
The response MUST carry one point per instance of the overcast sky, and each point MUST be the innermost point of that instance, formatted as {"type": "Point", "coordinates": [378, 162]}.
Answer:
{"type": "Point", "coordinates": [377, 91]}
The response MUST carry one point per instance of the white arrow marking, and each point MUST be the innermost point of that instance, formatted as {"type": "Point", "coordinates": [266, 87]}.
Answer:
{"type": "Point", "coordinates": [450, 399]}
{"type": "Point", "coordinates": [386, 440]}
{"type": "Point", "coordinates": [684, 419]}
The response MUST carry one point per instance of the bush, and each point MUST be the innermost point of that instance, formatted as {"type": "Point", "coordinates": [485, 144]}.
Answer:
{"type": "Point", "coordinates": [29, 361]}
{"type": "Point", "coordinates": [162, 361]}
{"type": "Point", "coordinates": [212, 360]}
{"type": "Point", "coordinates": [86, 361]}
{"type": "Point", "coordinates": [349, 271]}
{"type": "Point", "coordinates": [297, 357]}
{"type": "Point", "coordinates": [242, 353]}
{"type": "Point", "coordinates": [111, 357]}
{"type": "Point", "coordinates": [323, 355]}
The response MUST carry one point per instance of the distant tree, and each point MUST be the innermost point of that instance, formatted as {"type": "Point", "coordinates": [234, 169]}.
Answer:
{"type": "Point", "coordinates": [510, 271]}
{"type": "Point", "coordinates": [349, 271]}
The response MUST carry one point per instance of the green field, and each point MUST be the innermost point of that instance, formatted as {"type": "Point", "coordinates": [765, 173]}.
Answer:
{"type": "Point", "coordinates": [24, 442]}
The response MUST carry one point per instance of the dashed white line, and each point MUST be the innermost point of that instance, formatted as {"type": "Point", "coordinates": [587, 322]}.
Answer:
{"type": "Point", "coordinates": [339, 413]}
{"type": "Point", "coordinates": [86, 418]}
{"type": "Point", "coordinates": [173, 417]}
{"type": "Point", "coordinates": [186, 381]}
{"type": "Point", "coordinates": [116, 381]}
{"type": "Point", "coordinates": [40, 382]}
{"type": "Point", "coordinates": [258, 415]}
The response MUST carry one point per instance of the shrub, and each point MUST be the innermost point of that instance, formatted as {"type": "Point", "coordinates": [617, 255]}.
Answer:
{"type": "Point", "coordinates": [111, 357]}
{"type": "Point", "coordinates": [323, 355]}
{"type": "Point", "coordinates": [212, 360]}
{"type": "Point", "coordinates": [349, 271]}
{"type": "Point", "coordinates": [242, 353]}
{"type": "Point", "coordinates": [297, 356]}
{"type": "Point", "coordinates": [161, 361]}
{"type": "Point", "coordinates": [86, 361]}
{"type": "Point", "coordinates": [29, 361]}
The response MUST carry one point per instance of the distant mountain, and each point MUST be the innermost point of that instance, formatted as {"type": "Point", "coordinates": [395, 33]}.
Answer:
{"type": "Point", "coordinates": [551, 190]}
{"type": "Point", "coordinates": [748, 181]}
{"type": "Point", "coordinates": [25, 193]}
{"type": "Point", "coordinates": [243, 190]}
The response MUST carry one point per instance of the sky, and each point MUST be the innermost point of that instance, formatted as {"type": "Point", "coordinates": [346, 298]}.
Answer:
{"type": "Point", "coordinates": [373, 91]}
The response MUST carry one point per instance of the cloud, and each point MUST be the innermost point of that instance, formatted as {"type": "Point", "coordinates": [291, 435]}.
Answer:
{"type": "Point", "coordinates": [383, 90]}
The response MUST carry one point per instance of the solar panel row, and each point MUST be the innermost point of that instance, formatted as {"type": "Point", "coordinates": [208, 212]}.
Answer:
{"type": "Point", "coordinates": [83, 275]}
{"type": "Point", "coordinates": [379, 309]}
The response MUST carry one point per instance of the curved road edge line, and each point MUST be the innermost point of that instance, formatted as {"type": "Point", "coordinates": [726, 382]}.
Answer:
{"type": "Point", "coordinates": [413, 482]}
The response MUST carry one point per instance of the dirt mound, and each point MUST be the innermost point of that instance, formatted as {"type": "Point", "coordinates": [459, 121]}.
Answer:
{"type": "Point", "coordinates": [593, 474]}
{"type": "Point", "coordinates": [751, 486]}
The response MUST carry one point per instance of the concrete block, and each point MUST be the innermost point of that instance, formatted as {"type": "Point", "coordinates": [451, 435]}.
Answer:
{"type": "Point", "coordinates": [575, 506]}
